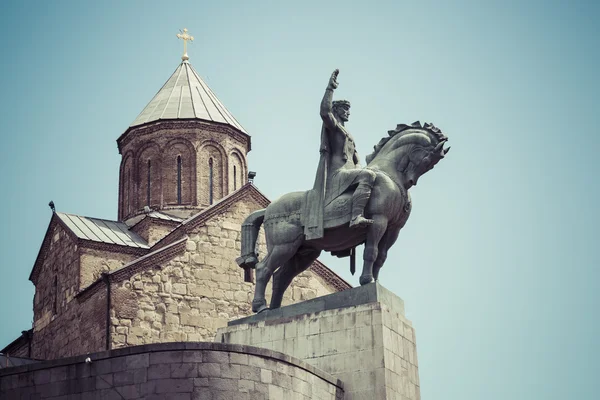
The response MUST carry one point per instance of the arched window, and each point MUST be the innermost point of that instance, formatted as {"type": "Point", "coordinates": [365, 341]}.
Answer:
{"type": "Point", "coordinates": [234, 178]}
{"type": "Point", "coordinates": [127, 193]}
{"type": "Point", "coordinates": [148, 185]}
{"type": "Point", "coordinates": [179, 179]}
{"type": "Point", "coordinates": [55, 293]}
{"type": "Point", "coordinates": [210, 181]}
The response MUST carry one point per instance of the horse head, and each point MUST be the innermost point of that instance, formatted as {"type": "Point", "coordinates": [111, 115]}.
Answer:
{"type": "Point", "coordinates": [409, 152]}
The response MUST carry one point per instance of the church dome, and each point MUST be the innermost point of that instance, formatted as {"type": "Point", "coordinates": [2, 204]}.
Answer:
{"type": "Point", "coordinates": [186, 96]}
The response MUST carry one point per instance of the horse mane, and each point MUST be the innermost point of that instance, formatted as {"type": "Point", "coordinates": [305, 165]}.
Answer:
{"type": "Point", "coordinates": [432, 131]}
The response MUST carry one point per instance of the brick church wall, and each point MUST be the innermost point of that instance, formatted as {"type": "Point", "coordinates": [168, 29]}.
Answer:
{"type": "Point", "coordinates": [67, 323]}
{"type": "Point", "coordinates": [56, 282]}
{"type": "Point", "coordinates": [201, 147]}
{"type": "Point", "coordinates": [79, 329]}
{"type": "Point", "coordinates": [192, 295]}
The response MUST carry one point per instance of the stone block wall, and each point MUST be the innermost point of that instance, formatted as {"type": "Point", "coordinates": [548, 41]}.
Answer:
{"type": "Point", "coordinates": [370, 347]}
{"type": "Point", "coordinates": [64, 324]}
{"type": "Point", "coordinates": [176, 371]}
{"type": "Point", "coordinates": [190, 296]}
{"type": "Point", "coordinates": [80, 328]}
{"type": "Point", "coordinates": [94, 262]}
{"type": "Point", "coordinates": [56, 278]}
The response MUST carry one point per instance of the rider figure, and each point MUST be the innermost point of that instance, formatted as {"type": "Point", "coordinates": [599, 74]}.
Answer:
{"type": "Point", "coordinates": [339, 167]}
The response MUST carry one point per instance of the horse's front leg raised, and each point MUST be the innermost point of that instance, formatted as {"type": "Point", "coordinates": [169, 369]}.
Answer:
{"type": "Point", "coordinates": [374, 234]}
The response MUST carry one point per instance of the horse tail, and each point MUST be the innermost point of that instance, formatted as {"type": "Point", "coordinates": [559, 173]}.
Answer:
{"type": "Point", "coordinates": [250, 229]}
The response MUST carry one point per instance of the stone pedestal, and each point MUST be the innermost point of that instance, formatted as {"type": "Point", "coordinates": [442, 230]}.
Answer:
{"type": "Point", "coordinates": [359, 336]}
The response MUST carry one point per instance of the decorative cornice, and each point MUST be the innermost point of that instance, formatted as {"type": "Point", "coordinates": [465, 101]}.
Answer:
{"type": "Point", "coordinates": [154, 259]}
{"type": "Point", "coordinates": [219, 207]}
{"type": "Point", "coordinates": [154, 126]}
{"type": "Point", "coordinates": [149, 220]}
{"type": "Point", "coordinates": [114, 248]}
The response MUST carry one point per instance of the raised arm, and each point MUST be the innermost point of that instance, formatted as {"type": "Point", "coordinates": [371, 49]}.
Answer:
{"type": "Point", "coordinates": [327, 102]}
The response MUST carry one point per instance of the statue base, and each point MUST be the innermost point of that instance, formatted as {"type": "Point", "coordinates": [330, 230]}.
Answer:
{"type": "Point", "coordinates": [359, 336]}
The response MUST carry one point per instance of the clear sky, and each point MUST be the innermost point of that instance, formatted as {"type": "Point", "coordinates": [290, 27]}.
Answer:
{"type": "Point", "coordinates": [499, 262]}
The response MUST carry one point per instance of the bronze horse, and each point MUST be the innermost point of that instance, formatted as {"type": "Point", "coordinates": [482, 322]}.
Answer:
{"type": "Point", "coordinates": [398, 160]}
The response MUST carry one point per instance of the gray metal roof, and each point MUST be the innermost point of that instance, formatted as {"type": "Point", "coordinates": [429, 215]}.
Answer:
{"type": "Point", "coordinates": [101, 230]}
{"type": "Point", "coordinates": [185, 95]}
{"type": "Point", "coordinates": [159, 215]}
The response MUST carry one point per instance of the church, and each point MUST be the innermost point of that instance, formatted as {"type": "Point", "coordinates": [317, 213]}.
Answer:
{"type": "Point", "coordinates": [153, 304]}
{"type": "Point", "coordinates": [165, 270]}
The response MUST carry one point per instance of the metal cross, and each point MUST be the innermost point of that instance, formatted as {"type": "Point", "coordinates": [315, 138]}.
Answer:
{"type": "Point", "coordinates": [185, 37]}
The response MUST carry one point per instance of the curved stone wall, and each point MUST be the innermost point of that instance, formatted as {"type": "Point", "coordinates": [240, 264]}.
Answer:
{"type": "Point", "coordinates": [181, 371]}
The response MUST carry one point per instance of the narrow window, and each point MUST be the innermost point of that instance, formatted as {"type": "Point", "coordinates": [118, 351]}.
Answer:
{"type": "Point", "coordinates": [234, 178]}
{"type": "Point", "coordinates": [210, 181]}
{"type": "Point", "coordinates": [55, 292]}
{"type": "Point", "coordinates": [178, 179]}
{"type": "Point", "coordinates": [148, 188]}
{"type": "Point", "coordinates": [127, 193]}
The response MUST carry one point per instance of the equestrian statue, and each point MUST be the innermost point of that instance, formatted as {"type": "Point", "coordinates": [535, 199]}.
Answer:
{"type": "Point", "coordinates": [347, 206]}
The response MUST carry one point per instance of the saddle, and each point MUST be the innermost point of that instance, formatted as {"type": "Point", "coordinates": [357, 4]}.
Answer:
{"type": "Point", "coordinates": [339, 211]}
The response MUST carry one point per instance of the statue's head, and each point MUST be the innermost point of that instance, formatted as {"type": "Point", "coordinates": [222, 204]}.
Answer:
{"type": "Point", "coordinates": [417, 149]}
{"type": "Point", "coordinates": [341, 110]}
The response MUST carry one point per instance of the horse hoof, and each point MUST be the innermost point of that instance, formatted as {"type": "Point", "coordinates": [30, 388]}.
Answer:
{"type": "Point", "coordinates": [258, 306]}
{"type": "Point", "coordinates": [247, 261]}
{"type": "Point", "coordinates": [364, 279]}
{"type": "Point", "coordinates": [261, 309]}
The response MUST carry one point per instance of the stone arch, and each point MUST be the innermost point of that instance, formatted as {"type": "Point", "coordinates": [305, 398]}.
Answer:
{"type": "Point", "coordinates": [127, 185]}
{"type": "Point", "coordinates": [179, 173]}
{"type": "Point", "coordinates": [149, 176]}
{"type": "Point", "coordinates": [237, 171]}
{"type": "Point", "coordinates": [211, 150]}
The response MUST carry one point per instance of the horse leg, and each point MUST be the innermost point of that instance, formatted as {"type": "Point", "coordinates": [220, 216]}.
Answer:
{"type": "Point", "coordinates": [388, 239]}
{"type": "Point", "coordinates": [284, 275]}
{"type": "Point", "coordinates": [374, 234]}
{"type": "Point", "coordinates": [278, 255]}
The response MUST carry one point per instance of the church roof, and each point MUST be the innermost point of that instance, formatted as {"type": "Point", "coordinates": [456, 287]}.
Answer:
{"type": "Point", "coordinates": [186, 96]}
{"type": "Point", "coordinates": [101, 230]}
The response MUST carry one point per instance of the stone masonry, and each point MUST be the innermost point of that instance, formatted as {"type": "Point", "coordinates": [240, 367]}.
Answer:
{"type": "Point", "coordinates": [359, 336]}
{"type": "Point", "coordinates": [174, 371]}
{"type": "Point", "coordinates": [189, 297]}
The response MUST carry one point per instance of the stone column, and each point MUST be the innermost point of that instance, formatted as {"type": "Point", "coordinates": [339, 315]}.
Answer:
{"type": "Point", "coordinates": [359, 336]}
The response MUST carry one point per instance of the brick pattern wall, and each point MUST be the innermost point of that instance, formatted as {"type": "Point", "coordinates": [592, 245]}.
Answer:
{"type": "Point", "coordinates": [161, 143]}
{"type": "Point", "coordinates": [56, 283]}
{"type": "Point", "coordinates": [79, 328]}
{"type": "Point", "coordinates": [192, 295]}
{"type": "Point", "coordinates": [184, 150]}
{"type": "Point", "coordinates": [66, 323]}
{"type": "Point", "coordinates": [176, 372]}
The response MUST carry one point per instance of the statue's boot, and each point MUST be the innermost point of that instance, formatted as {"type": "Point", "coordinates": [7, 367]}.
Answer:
{"type": "Point", "coordinates": [360, 198]}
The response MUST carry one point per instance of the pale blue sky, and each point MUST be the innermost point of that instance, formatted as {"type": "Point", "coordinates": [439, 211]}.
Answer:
{"type": "Point", "coordinates": [498, 264]}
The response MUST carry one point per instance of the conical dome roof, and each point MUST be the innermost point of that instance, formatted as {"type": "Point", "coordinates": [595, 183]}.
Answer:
{"type": "Point", "coordinates": [185, 95]}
